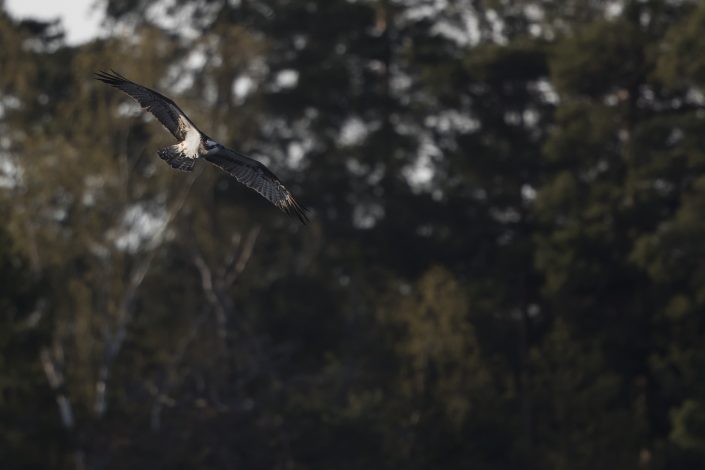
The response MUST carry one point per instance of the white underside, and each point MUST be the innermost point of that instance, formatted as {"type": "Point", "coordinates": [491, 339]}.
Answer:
{"type": "Point", "coordinates": [190, 145]}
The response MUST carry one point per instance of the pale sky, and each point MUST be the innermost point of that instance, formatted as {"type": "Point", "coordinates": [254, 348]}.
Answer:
{"type": "Point", "coordinates": [78, 17]}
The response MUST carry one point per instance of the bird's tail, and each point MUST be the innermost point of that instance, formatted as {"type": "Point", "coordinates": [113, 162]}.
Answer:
{"type": "Point", "coordinates": [175, 157]}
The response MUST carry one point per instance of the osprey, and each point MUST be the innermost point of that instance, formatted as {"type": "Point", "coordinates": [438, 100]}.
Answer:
{"type": "Point", "coordinates": [194, 144]}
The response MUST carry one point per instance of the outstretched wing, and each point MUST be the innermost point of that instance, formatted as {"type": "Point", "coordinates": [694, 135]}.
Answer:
{"type": "Point", "coordinates": [159, 105]}
{"type": "Point", "coordinates": [256, 176]}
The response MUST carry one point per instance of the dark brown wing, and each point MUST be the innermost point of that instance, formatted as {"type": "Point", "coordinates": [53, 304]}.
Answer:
{"type": "Point", "coordinates": [164, 109]}
{"type": "Point", "coordinates": [256, 176]}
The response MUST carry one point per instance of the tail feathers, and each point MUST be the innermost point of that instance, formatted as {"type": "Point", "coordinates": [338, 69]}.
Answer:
{"type": "Point", "coordinates": [176, 158]}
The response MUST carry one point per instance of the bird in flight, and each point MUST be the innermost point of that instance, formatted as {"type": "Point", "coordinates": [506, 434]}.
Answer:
{"type": "Point", "coordinates": [194, 144]}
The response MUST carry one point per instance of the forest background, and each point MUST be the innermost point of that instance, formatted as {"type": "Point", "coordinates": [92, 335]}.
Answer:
{"type": "Point", "coordinates": [505, 267]}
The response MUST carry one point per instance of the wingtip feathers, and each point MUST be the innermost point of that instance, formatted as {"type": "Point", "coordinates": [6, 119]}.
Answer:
{"type": "Point", "coordinates": [112, 77]}
{"type": "Point", "coordinates": [291, 207]}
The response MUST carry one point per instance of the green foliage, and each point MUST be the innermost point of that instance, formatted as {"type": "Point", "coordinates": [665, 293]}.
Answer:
{"type": "Point", "coordinates": [579, 406]}
{"type": "Point", "coordinates": [438, 348]}
{"type": "Point", "coordinates": [27, 408]}
{"type": "Point", "coordinates": [680, 61]}
{"type": "Point", "coordinates": [504, 268]}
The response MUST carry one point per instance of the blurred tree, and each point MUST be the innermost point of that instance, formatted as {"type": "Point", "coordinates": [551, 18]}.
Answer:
{"type": "Point", "coordinates": [622, 159]}
{"type": "Point", "coordinates": [503, 269]}
{"type": "Point", "coordinates": [578, 400]}
{"type": "Point", "coordinates": [22, 388]}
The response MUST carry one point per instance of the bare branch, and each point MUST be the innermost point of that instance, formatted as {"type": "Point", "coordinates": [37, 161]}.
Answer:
{"type": "Point", "coordinates": [212, 295]}
{"type": "Point", "coordinates": [244, 257]}
{"type": "Point", "coordinates": [56, 381]}
{"type": "Point", "coordinates": [232, 257]}
{"type": "Point", "coordinates": [126, 307]}
{"type": "Point", "coordinates": [161, 394]}
{"type": "Point", "coordinates": [215, 289]}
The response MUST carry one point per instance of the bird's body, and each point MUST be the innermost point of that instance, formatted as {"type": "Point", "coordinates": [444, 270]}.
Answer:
{"type": "Point", "coordinates": [194, 144]}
